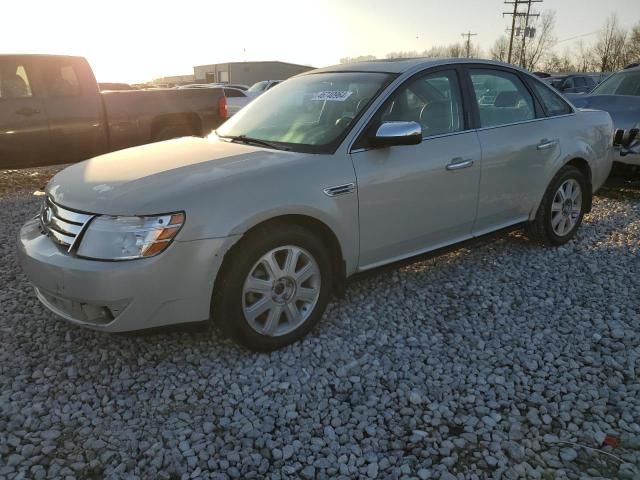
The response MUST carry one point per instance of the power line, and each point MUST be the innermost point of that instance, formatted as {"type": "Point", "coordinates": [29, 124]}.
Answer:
{"type": "Point", "coordinates": [578, 36]}
{"type": "Point", "coordinates": [468, 42]}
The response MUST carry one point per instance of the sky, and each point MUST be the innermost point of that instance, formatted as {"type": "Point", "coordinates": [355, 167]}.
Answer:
{"type": "Point", "coordinates": [137, 40]}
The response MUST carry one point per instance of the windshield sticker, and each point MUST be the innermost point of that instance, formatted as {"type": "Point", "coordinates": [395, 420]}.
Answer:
{"type": "Point", "coordinates": [332, 96]}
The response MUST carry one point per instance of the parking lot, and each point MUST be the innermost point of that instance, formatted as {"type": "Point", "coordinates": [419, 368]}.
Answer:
{"type": "Point", "coordinates": [500, 360]}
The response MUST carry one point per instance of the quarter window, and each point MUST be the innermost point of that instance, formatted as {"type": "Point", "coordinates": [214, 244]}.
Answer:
{"type": "Point", "coordinates": [432, 100]}
{"type": "Point", "coordinates": [553, 104]}
{"type": "Point", "coordinates": [14, 81]}
{"type": "Point", "coordinates": [502, 98]}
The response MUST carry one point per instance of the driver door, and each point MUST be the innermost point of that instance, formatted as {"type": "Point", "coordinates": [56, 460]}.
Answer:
{"type": "Point", "coordinates": [416, 198]}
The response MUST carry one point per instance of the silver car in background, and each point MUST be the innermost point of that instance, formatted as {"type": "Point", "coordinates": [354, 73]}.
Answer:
{"type": "Point", "coordinates": [618, 95]}
{"type": "Point", "coordinates": [336, 171]}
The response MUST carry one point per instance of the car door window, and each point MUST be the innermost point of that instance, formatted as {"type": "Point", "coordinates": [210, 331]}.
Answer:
{"type": "Point", "coordinates": [61, 80]}
{"type": "Point", "coordinates": [432, 100]}
{"type": "Point", "coordinates": [552, 103]}
{"type": "Point", "coordinates": [502, 98]}
{"type": "Point", "coordinates": [14, 81]}
{"type": "Point", "coordinates": [231, 93]}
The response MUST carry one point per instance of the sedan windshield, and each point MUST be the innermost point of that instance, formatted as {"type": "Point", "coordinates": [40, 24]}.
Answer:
{"type": "Point", "coordinates": [622, 83]}
{"type": "Point", "coordinates": [310, 113]}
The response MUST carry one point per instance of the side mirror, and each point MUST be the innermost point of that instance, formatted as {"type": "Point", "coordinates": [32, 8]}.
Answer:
{"type": "Point", "coordinates": [397, 133]}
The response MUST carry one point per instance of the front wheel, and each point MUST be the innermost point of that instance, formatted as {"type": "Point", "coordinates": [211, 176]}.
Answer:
{"type": "Point", "coordinates": [274, 287]}
{"type": "Point", "coordinates": [562, 209]}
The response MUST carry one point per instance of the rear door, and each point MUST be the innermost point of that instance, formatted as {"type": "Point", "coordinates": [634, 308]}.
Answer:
{"type": "Point", "coordinates": [517, 144]}
{"type": "Point", "coordinates": [74, 108]}
{"type": "Point", "coordinates": [24, 130]}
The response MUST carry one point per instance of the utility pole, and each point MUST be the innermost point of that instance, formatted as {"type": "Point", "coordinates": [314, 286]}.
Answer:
{"type": "Point", "coordinates": [524, 31]}
{"type": "Point", "coordinates": [469, 35]}
{"type": "Point", "coordinates": [513, 25]}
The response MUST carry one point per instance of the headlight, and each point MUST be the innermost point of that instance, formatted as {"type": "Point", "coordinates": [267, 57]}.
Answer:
{"type": "Point", "coordinates": [126, 238]}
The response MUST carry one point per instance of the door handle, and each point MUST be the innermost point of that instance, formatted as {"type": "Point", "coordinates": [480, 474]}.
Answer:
{"type": "Point", "coordinates": [27, 111]}
{"type": "Point", "coordinates": [546, 144]}
{"type": "Point", "coordinates": [459, 163]}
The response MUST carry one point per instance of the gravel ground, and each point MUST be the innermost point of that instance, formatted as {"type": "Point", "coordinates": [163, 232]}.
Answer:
{"type": "Point", "coordinates": [505, 360]}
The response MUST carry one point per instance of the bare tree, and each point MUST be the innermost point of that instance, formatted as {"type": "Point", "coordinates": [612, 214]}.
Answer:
{"type": "Point", "coordinates": [500, 49]}
{"type": "Point", "coordinates": [557, 63]}
{"type": "Point", "coordinates": [584, 58]}
{"type": "Point", "coordinates": [633, 44]}
{"type": "Point", "coordinates": [536, 48]}
{"type": "Point", "coordinates": [361, 58]}
{"type": "Point", "coordinates": [611, 46]}
{"type": "Point", "coordinates": [403, 54]}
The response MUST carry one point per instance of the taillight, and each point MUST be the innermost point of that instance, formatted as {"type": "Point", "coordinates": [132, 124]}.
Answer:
{"type": "Point", "coordinates": [222, 107]}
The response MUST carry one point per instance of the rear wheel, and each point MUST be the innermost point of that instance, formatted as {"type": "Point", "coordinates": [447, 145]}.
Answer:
{"type": "Point", "coordinates": [562, 209]}
{"type": "Point", "coordinates": [274, 287]}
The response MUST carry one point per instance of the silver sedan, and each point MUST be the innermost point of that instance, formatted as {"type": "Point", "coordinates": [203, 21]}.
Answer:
{"type": "Point", "coordinates": [336, 171]}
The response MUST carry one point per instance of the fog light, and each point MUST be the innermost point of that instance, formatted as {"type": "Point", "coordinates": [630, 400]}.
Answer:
{"type": "Point", "coordinates": [94, 313]}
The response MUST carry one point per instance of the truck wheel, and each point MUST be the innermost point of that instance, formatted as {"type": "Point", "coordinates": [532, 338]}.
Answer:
{"type": "Point", "coordinates": [172, 131]}
{"type": "Point", "coordinates": [274, 287]}
{"type": "Point", "coordinates": [562, 209]}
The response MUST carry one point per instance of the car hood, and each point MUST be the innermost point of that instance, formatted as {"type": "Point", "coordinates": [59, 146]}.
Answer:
{"type": "Point", "coordinates": [159, 177]}
{"type": "Point", "coordinates": [624, 109]}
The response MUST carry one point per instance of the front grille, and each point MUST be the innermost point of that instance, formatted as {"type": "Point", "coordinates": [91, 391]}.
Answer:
{"type": "Point", "coordinates": [62, 225]}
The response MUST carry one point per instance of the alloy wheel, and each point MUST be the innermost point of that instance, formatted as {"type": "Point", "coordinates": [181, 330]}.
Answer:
{"type": "Point", "coordinates": [566, 207]}
{"type": "Point", "coordinates": [281, 291]}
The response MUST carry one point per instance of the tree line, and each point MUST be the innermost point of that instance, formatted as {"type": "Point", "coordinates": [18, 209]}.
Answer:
{"type": "Point", "coordinates": [613, 48]}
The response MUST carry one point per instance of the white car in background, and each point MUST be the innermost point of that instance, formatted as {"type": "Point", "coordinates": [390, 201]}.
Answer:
{"type": "Point", "coordinates": [236, 100]}
{"type": "Point", "coordinates": [259, 88]}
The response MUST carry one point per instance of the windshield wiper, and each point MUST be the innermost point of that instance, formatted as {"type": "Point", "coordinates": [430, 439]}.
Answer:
{"type": "Point", "coordinates": [254, 141]}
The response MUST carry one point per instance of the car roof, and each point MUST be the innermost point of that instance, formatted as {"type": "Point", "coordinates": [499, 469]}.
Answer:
{"type": "Point", "coordinates": [402, 65]}
{"type": "Point", "coordinates": [37, 55]}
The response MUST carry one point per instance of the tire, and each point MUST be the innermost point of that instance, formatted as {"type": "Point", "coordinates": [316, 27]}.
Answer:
{"type": "Point", "coordinates": [558, 220]}
{"type": "Point", "coordinates": [172, 131]}
{"type": "Point", "coordinates": [246, 287]}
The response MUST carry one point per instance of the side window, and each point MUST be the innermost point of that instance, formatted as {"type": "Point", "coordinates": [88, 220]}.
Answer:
{"type": "Point", "coordinates": [14, 81]}
{"type": "Point", "coordinates": [230, 93]}
{"type": "Point", "coordinates": [61, 80]}
{"type": "Point", "coordinates": [502, 98]}
{"type": "Point", "coordinates": [553, 104]}
{"type": "Point", "coordinates": [579, 82]}
{"type": "Point", "coordinates": [432, 100]}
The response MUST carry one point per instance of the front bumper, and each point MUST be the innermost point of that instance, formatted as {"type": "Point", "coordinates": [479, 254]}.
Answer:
{"type": "Point", "coordinates": [173, 287]}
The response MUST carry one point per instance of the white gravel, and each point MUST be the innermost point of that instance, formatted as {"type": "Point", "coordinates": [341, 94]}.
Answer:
{"type": "Point", "coordinates": [505, 360]}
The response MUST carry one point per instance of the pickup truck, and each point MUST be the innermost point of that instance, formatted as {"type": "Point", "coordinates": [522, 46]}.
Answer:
{"type": "Point", "coordinates": [52, 111]}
